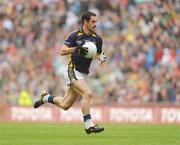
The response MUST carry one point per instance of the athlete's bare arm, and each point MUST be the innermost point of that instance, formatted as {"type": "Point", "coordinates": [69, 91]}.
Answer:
{"type": "Point", "coordinates": [66, 50]}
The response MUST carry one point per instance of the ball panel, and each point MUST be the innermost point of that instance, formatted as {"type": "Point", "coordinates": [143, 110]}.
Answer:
{"type": "Point", "coordinates": [92, 49]}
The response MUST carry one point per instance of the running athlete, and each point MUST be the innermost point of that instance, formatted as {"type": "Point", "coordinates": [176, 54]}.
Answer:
{"type": "Point", "coordinates": [77, 71]}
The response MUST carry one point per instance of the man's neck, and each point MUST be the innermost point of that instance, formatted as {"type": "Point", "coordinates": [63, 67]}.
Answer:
{"type": "Point", "coordinates": [86, 31]}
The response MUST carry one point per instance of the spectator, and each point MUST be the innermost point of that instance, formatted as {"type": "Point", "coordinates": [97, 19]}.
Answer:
{"type": "Point", "coordinates": [141, 39]}
{"type": "Point", "coordinates": [24, 98]}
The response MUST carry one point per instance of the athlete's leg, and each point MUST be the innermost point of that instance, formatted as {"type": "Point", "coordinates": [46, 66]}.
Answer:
{"type": "Point", "coordinates": [63, 102]}
{"type": "Point", "coordinates": [76, 89]}
{"type": "Point", "coordinates": [68, 100]}
{"type": "Point", "coordinates": [83, 90]}
{"type": "Point", "coordinates": [81, 87]}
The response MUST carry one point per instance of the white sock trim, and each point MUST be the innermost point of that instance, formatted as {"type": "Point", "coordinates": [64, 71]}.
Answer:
{"type": "Point", "coordinates": [88, 123]}
{"type": "Point", "coordinates": [45, 98]}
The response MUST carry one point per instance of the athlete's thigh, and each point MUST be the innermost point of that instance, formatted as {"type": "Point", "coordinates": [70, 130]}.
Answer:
{"type": "Point", "coordinates": [80, 86]}
{"type": "Point", "coordinates": [70, 96]}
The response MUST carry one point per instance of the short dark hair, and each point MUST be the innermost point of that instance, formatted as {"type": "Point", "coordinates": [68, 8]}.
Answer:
{"type": "Point", "coordinates": [87, 16]}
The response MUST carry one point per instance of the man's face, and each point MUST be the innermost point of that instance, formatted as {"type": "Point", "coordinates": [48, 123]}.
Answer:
{"type": "Point", "coordinates": [91, 24]}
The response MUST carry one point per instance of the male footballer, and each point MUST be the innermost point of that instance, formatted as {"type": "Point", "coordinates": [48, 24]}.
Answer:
{"type": "Point", "coordinates": [77, 70]}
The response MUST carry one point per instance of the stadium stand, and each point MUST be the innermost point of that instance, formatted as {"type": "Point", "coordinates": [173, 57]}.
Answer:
{"type": "Point", "coordinates": [141, 40]}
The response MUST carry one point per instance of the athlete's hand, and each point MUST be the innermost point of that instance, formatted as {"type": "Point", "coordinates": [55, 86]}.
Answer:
{"type": "Point", "coordinates": [80, 49]}
{"type": "Point", "coordinates": [102, 57]}
{"type": "Point", "coordinates": [83, 50]}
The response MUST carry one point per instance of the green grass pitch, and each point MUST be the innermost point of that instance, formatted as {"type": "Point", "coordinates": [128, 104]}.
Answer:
{"type": "Point", "coordinates": [73, 134]}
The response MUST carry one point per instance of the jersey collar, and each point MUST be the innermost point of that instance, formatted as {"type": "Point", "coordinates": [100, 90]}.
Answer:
{"type": "Point", "coordinates": [82, 31]}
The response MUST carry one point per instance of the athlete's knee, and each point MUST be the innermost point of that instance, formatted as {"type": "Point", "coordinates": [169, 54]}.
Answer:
{"type": "Point", "coordinates": [63, 105]}
{"type": "Point", "coordinates": [66, 107]}
{"type": "Point", "coordinates": [88, 94]}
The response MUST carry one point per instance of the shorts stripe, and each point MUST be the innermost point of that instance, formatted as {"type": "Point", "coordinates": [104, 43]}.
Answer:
{"type": "Point", "coordinates": [71, 73]}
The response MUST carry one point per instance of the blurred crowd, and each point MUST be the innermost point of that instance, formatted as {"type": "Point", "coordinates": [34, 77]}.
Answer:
{"type": "Point", "coordinates": [140, 38]}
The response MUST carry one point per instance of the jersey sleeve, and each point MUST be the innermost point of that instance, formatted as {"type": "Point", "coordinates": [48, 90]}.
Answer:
{"type": "Point", "coordinates": [71, 39]}
{"type": "Point", "coordinates": [99, 44]}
